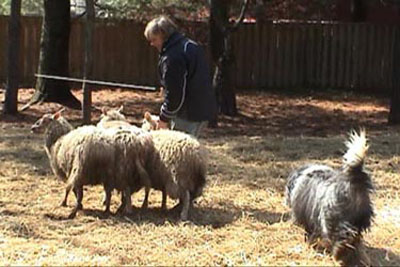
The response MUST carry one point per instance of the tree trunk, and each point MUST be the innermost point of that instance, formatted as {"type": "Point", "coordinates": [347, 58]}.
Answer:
{"type": "Point", "coordinates": [14, 29]}
{"type": "Point", "coordinates": [357, 10]}
{"type": "Point", "coordinates": [54, 56]}
{"type": "Point", "coordinates": [222, 53]}
{"type": "Point", "coordinates": [87, 92]}
{"type": "Point", "coordinates": [218, 19]}
{"type": "Point", "coordinates": [394, 114]}
{"type": "Point", "coordinates": [223, 57]}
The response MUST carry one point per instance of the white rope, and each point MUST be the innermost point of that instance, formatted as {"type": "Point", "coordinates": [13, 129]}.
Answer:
{"type": "Point", "coordinates": [141, 87]}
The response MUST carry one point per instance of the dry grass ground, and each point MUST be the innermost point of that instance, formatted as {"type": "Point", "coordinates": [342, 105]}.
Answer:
{"type": "Point", "coordinates": [240, 220]}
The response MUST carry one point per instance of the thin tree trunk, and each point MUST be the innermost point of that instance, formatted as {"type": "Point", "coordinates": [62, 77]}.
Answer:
{"type": "Point", "coordinates": [357, 10]}
{"type": "Point", "coordinates": [87, 94]}
{"type": "Point", "coordinates": [54, 56]}
{"type": "Point", "coordinates": [14, 29]}
{"type": "Point", "coordinates": [394, 114]}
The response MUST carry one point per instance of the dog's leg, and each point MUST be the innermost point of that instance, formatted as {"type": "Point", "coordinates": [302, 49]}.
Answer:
{"type": "Point", "coordinates": [310, 237]}
{"type": "Point", "coordinates": [347, 246]}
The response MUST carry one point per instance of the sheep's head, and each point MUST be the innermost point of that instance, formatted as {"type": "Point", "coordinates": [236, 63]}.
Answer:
{"type": "Point", "coordinates": [41, 124]}
{"type": "Point", "coordinates": [149, 122]}
{"type": "Point", "coordinates": [112, 115]}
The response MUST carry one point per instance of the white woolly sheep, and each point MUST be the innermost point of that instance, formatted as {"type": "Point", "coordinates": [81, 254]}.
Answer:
{"type": "Point", "coordinates": [159, 176]}
{"type": "Point", "coordinates": [89, 155]}
{"type": "Point", "coordinates": [115, 119]}
{"type": "Point", "coordinates": [185, 159]}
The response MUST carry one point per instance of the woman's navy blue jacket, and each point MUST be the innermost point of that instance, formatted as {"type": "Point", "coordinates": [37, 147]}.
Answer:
{"type": "Point", "coordinates": [185, 76]}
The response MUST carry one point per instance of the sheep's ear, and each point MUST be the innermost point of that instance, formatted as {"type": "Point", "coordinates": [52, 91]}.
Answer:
{"type": "Point", "coordinates": [95, 108]}
{"type": "Point", "coordinates": [147, 116]}
{"type": "Point", "coordinates": [57, 114]}
{"type": "Point", "coordinates": [121, 108]}
{"type": "Point", "coordinates": [104, 110]}
{"type": "Point", "coordinates": [47, 116]}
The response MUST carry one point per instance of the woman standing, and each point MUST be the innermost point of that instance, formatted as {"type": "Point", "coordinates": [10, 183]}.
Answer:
{"type": "Point", "coordinates": [189, 99]}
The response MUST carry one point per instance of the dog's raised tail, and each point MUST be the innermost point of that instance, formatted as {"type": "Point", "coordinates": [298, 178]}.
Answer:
{"type": "Point", "coordinates": [357, 147]}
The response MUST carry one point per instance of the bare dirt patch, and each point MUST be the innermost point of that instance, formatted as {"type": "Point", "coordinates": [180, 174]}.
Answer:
{"type": "Point", "coordinates": [240, 220]}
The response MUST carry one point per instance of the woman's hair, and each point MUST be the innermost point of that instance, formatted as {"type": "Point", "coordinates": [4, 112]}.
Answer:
{"type": "Point", "coordinates": [163, 26]}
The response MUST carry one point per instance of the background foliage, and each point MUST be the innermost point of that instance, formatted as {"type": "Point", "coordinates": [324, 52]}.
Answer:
{"type": "Point", "coordinates": [189, 9]}
{"type": "Point", "coordinates": [28, 7]}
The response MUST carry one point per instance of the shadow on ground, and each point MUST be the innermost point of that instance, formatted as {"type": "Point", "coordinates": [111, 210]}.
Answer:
{"type": "Point", "coordinates": [260, 113]}
{"type": "Point", "coordinates": [382, 257]}
{"type": "Point", "coordinates": [201, 216]}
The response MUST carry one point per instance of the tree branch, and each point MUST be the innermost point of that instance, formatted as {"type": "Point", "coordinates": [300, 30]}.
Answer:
{"type": "Point", "coordinates": [78, 16]}
{"type": "Point", "coordinates": [241, 17]}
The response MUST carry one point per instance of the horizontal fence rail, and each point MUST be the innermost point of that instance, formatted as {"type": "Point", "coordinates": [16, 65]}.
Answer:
{"type": "Point", "coordinates": [269, 55]}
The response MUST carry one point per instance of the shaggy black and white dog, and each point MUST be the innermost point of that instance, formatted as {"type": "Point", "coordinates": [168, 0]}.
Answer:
{"type": "Point", "coordinates": [334, 206]}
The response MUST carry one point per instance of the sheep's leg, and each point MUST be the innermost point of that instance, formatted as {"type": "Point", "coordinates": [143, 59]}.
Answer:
{"type": "Point", "coordinates": [127, 201]}
{"type": "Point", "coordinates": [177, 207]}
{"type": "Point", "coordinates": [164, 200]}
{"type": "Point", "coordinates": [122, 206]}
{"type": "Point", "coordinates": [79, 195]}
{"type": "Point", "coordinates": [104, 199]}
{"type": "Point", "coordinates": [67, 190]}
{"type": "Point", "coordinates": [146, 198]}
{"type": "Point", "coordinates": [186, 205]}
{"type": "Point", "coordinates": [107, 199]}
{"type": "Point", "coordinates": [144, 181]}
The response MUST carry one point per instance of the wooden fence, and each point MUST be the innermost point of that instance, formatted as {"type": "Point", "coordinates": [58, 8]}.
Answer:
{"type": "Point", "coordinates": [316, 55]}
{"type": "Point", "coordinates": [272, 55]}
{"type": "Point", "coordinates": [121, 53]}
